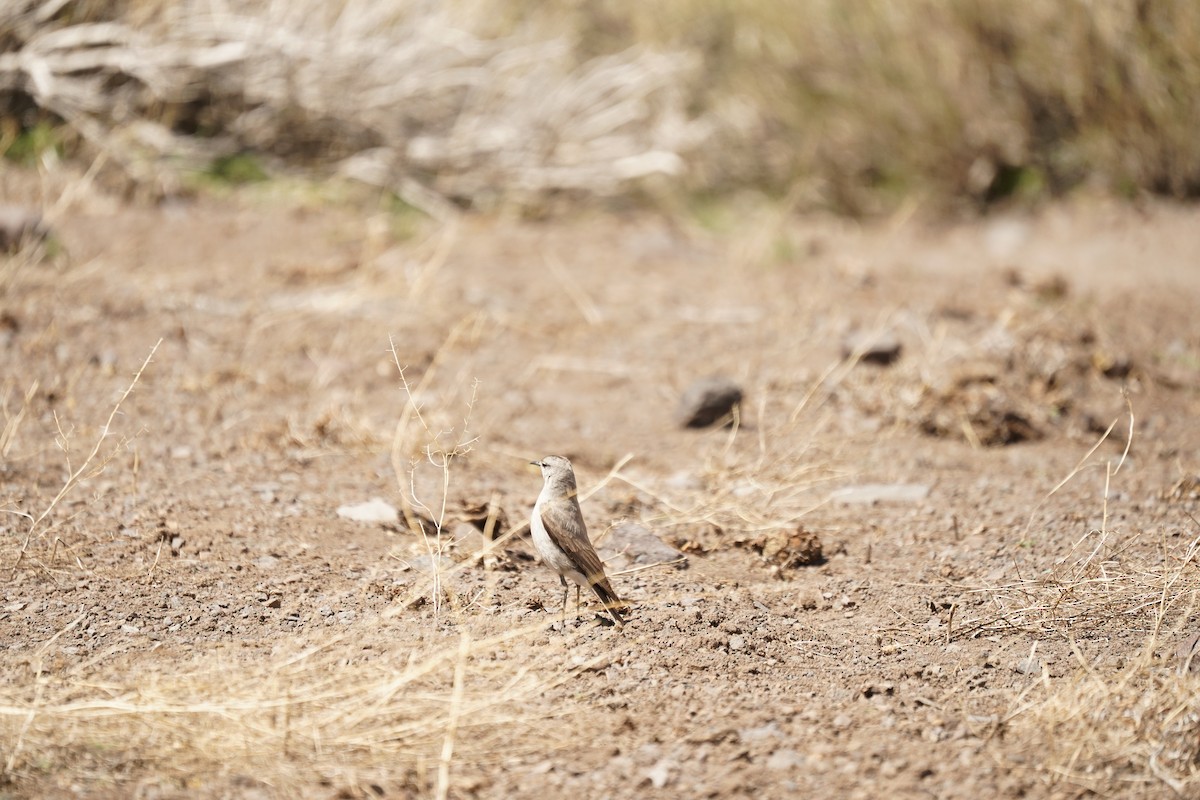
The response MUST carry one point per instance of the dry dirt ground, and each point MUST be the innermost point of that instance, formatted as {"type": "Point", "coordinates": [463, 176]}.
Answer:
{"type": "Point", "coordinates": [995, 612]}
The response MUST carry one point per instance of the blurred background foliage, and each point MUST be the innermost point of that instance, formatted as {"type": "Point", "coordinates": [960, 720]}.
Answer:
{"type": "Point", "coordinates": [857, 106]}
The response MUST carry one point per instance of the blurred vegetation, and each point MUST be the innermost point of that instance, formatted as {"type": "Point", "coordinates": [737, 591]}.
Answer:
{"type": "Point", "coordinates": [237, 169]}
{"type": "Point", "coordinates": [962, 100]}
{"type": "Point", "coordinates": [853, 105]}
{"type": "Point", "coordinates": [25, 144]}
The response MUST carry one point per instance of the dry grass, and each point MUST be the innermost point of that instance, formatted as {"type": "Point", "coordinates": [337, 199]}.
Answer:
{"type": "Point", "coordinates": [850, 106]}
{"type": "Point", "coordinates": [41, 523]}
{"type": "Point", "coordinates": [868, 102]}
{"type": "Point", "coordinates": [308, 714]}
{"type": "Point", "coordinates": [1138, 728]}
{"type": "Point", "coordinates": [1135, 728]}
{"type": "Point", "coordinates": [288, 722]}
{"type": "Point", "coordinates": [405, 96]}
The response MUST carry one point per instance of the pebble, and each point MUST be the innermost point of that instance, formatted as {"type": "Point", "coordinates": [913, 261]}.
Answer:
{"type": "Point", "coordinates": [1028, 666]}
{"type": "Point", "coordinates": [785, 758]}
{"type": "Point", "coordinates": [871, 493]}
{"type": "Point", "coordinates": [373, 510]}
{"type": "Point", "coordinates": [640, 545]}
{"type": "Point", "coordinates": [708, 401]}
{"type": "Point", "coordinates": [768, 731]}
{"type": "Point", "coordinates": [18, 224]}
{"type": "Point", "coordinates": [660, 774]}
{"type": "Point", "coordinates": [880, 348]}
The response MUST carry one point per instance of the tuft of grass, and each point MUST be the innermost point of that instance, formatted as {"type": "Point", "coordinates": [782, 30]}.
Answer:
{"type": "Point", "coordinates": [1138, 727]}
{"type": "Point", "coordinates": [296, 720]}
{"type": "Point", "coordinates": [1100, 730]}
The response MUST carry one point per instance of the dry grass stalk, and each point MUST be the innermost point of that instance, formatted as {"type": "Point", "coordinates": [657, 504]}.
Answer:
{"type": "Point", "coordinates": [1088, 585]}
{"type": "Point", "coordinates": [397, 89]}
{"type": "Point", "coordinates": [1097, 731]}
{"type": "Point", "coordinates": [1139, 728]}
{"type": "Point", "coordinates": [860, 108]}
{"type": "Point", "coordinates": [763, 479]}
{"type": "Point", "coordinates": [436, 453]}
{"type": "Point", "coordinates": [12, 420]}
{"type": "Point", "coordinates": [91, 466]}
{"type": "Point", "coordinates": [287, 722]}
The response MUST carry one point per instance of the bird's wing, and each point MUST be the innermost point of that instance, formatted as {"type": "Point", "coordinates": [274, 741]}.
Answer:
{"type": "Point", "coordinates": [557, 519]}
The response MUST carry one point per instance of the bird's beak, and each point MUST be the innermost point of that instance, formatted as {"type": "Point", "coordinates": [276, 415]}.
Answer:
{"type": "Point", "coordinates": [536, 463]}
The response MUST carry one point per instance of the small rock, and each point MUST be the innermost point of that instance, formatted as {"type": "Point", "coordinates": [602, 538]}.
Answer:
{"type": "Point", "coordinates": [737, 642]}
{"type": "Point", "coordinates": [19, 224]}
{"type": "Point", "coordinates": [785, 758]}
{"type": "Point", "coordinates": [427, 564]}
{"type": "Point", "coordinates": [708, 401]}
{"type": "Point", "coordinates": [1028, 666]}
{"type": "Point", "coordinates": [1003, 238]}
{"type": "Point", "coordinates": [880, 348]}
{"type": "Point", "coordinates": [1115, 368]}
{"type": "Point", "coordinates": [871, 493]}
{"type": "Point", "coordinates": [639, 545]}
{"type": "Point", "coordinates": [374, 510]}
{"type": "Point", "coordinates": [683, 479]}
{"type": "Point", "coordinates": [768, 731]}
{"type": "Point", "coordinates": [660, 774]}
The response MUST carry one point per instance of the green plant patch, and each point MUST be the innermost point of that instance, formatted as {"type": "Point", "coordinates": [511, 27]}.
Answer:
{"type": "Point", "coordinates": [238, 169]}
{"type": "Point", "coordinates": [28, 144]}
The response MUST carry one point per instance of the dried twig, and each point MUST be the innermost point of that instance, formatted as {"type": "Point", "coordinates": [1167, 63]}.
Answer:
{"type": "Point", "coordinates": [77, 475]}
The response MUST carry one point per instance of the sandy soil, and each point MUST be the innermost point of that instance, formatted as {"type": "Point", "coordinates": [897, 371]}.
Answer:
{"type": "Point", "coordinates": [195, 619]}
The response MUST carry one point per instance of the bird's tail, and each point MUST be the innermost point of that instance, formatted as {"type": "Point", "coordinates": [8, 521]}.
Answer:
{"type": "Point", "coordinates": [613, 604]}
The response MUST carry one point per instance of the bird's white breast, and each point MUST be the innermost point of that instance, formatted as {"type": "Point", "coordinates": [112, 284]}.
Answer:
{"type": "Point", "coordinates": [554, 557]}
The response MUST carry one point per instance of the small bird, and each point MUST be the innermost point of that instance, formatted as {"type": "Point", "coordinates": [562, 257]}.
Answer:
{"type": "Point", "coordinates": [561, 538]}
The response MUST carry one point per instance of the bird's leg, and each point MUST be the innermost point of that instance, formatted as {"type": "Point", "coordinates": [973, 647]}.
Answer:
{"type": "Point", "coordinates": [566, 592]}
{"type": "Point", "coordinates": [577, 604]}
